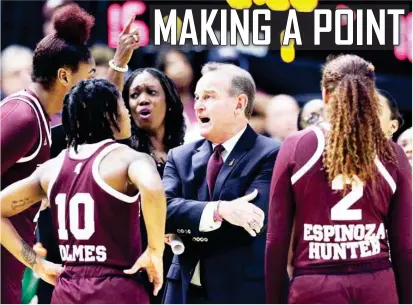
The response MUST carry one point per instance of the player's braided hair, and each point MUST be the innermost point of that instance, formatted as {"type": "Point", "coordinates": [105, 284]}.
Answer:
{"type": "Point", "coordinates": [89, 110]}
{"type": "Point", "coordinates": [355, 138]}
{"type": "Point", "coordinates": [175, 126]}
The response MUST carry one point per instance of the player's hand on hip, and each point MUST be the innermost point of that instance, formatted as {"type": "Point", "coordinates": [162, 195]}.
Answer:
{"type": "Point", "coordinates": [241, 212]}
{"type": "Point", "coordinates": [47, 271]}
{"type": "Point", "coordinates": [152, 262]}
{"type": "Point", "coordinates": [128, 42]}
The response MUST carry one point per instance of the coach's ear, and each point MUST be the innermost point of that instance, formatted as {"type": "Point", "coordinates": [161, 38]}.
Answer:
{"type": "Point", "coordinates": [242, 102]}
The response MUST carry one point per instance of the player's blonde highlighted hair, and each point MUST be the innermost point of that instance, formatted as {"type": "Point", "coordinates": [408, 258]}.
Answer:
{"type": "Point", "coordinates": [356, 137]}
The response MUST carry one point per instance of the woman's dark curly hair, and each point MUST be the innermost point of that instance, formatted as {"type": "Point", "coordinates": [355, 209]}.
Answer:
{"type": "Point", "coordinates": [175, 126]}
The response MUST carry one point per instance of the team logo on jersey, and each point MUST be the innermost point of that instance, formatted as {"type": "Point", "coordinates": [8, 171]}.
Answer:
{"type": "Point", "coordinates": [78, 167]}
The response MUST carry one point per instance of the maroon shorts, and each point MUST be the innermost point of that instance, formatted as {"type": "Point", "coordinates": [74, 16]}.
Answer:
{"type": "Point", "coordinates": [12, 272]}
{"type": "Point", "coordinates": [378, 287]}
{"type": "Point", "coordinates": [98, 284]}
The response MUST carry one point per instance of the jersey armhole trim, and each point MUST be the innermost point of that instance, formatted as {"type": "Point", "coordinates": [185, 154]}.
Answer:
{"type": "Point", "coordinates": [34, 154]}
{"type": "Point", "coordinates": [40, 109]}
{"type": "Point", "coordinates": [102, 184]}
{"type": "Point", "coordinates": [314, 158]}
{"type": "Point", "coordinates": [386, 175]}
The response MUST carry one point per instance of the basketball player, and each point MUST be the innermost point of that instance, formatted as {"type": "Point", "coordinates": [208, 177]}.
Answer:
{"type": "Point", "coordinates": [391, 119]}
{"type": "Point", "coordinates": [60, 60]}
{"type": "Point", "coordinates": [348, 190]}
{"type": "Point", "coordinates": [93, 189]}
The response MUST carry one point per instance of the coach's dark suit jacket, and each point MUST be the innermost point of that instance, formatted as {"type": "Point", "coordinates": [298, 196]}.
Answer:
{"type": "Point", "coordinates": [232, 261]}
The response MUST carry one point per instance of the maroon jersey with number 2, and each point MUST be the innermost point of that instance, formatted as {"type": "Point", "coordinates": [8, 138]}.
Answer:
{"type": "Point", "coordinates": [98, 232]}
{"type": "Point", "coordinates": [336, 236]}
{"type": "Point", "coordinates": [25, 144]}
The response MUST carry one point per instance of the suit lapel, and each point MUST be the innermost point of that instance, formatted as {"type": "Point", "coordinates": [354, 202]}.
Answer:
{"type": "Point", "coordinates": [244, 144]}
{"type": "Point", "coordinates": [199, 164]}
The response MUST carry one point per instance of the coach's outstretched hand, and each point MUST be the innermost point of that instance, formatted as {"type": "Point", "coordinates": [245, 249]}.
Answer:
{"type": "Point", "coordinates": [240, 212]}
{"type": "Point", "coordinates": [47, 271]}
{"type": "Point", "coordinates": [152, 262]}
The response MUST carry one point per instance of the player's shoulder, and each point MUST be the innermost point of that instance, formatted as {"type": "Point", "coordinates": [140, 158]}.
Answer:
{"type": "Point", "coordinates": [125, 153]}
{"type": "Point", "coordinates": [51, 164]}
{"type": "Point", "coordinates": [266, 144]}
{"type": "Point", "coordinates": [50, 168]}
{"type": "Point", "coordinates": [403, 163]}
{"type": "Point", "coordinates": [306, 136]}
{"type": "Point", "coordinates": [18, 110]}
{"type": "Point", "coordinates": [398, 150]}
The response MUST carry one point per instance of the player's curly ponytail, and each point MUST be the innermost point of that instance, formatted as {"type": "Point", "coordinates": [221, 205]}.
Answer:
{"type": "Point", "coordinates": [355, 138]}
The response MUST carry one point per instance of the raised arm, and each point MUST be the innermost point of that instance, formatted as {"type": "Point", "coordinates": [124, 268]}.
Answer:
{"type": "Point", "coordinates": [280, 223]}
{"type": "Point", "coordinates": [400, 229]}
{"type": "Point", "coordinates": [126, 45]}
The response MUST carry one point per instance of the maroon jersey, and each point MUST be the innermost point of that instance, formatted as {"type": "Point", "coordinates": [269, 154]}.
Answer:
{"type": "Point", "coordinates": [335, 234]}
{"type": "Point", "coordinates": [95, 223]}
{"type": "Point", "coordinates": [25, 144]}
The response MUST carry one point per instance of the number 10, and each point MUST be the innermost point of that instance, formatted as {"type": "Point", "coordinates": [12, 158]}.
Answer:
{"type": "Point", "coordinates": [75, 201]}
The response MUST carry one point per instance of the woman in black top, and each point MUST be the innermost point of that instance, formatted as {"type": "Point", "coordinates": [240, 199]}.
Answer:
{"type": "Point", "coordinates": [158, 125]}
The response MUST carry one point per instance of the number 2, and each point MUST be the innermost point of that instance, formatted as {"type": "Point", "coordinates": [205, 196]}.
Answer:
{"type": "Point", "coordinates": [74, 203]}
{"type": "Point", "coordinates": [342, 211]}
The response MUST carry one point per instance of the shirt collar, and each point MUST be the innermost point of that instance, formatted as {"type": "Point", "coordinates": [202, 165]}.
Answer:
{"type": "Point", "coordinates": [230, 143]}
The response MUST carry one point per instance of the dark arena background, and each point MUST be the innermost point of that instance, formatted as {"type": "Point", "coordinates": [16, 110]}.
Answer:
{"type": "Point", "coordinates": [22, 24]}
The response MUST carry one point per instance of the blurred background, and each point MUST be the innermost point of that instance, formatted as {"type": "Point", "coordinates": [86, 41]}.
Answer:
{"type": "Point", "coordinates": [284, 88]}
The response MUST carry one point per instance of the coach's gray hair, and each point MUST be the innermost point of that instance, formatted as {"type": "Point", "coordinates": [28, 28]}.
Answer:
{"type": "Point", "coordinates": [242, 81]}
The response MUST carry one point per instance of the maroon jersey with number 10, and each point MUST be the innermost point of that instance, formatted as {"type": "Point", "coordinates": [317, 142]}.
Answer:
{"type": "Point", "coordinates": [25, 144]}
{"type": "Point", "coordinates": [98, 232]}
{"type": "Point", "coordinates": [335, 234]}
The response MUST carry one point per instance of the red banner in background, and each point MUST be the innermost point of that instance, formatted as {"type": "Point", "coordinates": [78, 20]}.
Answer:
{"type": "Point", "coordinates": [118, 15]}
{"type": "Point", "coordinates": [404, 50]}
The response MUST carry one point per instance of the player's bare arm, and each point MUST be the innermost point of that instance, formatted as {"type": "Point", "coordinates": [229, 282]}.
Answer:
{"type": "Point", "coordinates": [143, 174]}
{"type": "Point", "coordinates": [15, 199]}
